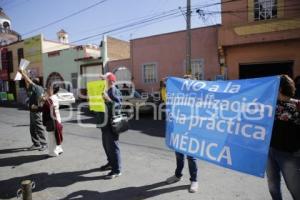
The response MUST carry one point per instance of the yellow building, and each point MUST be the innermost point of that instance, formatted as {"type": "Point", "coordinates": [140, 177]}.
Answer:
{"type": "Point", "coordinates": [31, 49]}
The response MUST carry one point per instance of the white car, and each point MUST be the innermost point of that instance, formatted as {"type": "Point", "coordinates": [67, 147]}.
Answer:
{"type": "Point", "coordinates": [65, 97]}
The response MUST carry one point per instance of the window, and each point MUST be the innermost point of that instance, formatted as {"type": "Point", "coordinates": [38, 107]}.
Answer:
{"type": "Point", "coordinates": [10, 61]}
{"type": "Point", "coordinates": [20, 54]}
{"type": "Point", "coordinates": [197, 69]}
{"type": "Point", "coordinates": [150, 73]}
{"type": "Point", "coordinates": [6, 25]}
{"type": "Point", "coordinates": [74, 77]}
{"type": "Point", "coordinates": [265, 9]}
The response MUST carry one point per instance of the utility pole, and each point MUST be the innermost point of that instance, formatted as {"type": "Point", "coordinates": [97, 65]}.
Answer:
{"type": "Point", "coordinates": [188, 38]}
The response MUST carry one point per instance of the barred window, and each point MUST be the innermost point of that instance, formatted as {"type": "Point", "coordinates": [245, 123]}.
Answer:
{"type": "Point", "coordinates": [197, 69]}
{"type": "Point", "coordinates": [74, 79]}
{"type": "Point", "coordinates": [150, 73]}
{"type": "Point", "coordinates": [265, 9]}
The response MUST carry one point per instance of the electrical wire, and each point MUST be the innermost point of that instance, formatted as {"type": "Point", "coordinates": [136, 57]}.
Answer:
{"type": "Point", "coordinates": [66, 17]}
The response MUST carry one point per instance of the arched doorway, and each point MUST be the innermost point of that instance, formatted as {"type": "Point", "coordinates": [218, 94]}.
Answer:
{"type": "Point", "coordinates": [55, 77]}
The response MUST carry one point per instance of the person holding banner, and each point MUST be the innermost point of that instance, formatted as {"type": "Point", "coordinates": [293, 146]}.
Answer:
{"type": "Point", "coordinates": [192, 162]}
{"type": "Point", "coordinates": [37, 130]}
{"type": "Point", "coordinates": [110, 140]}
{"type": "Point", "coordinates": [284, 153]}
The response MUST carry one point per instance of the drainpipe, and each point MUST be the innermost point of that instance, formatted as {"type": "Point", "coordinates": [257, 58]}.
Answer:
{"type": "Point", "coordinates": [131, 60]}
{"type": "Point", "coordinates": [222, 61]}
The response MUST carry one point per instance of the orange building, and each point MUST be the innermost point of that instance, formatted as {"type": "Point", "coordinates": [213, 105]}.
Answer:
{"type": "Point", "coordinates": [260, 38]}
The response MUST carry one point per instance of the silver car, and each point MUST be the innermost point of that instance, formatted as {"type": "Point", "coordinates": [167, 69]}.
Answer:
{"type": "Point", "coordinates": [140, 103]}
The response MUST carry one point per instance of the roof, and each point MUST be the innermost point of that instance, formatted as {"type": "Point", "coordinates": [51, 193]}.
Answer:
{"type": "Point", "coordinates": [175, 32]}
{"type": "Point", "coordinates": [62, 31]}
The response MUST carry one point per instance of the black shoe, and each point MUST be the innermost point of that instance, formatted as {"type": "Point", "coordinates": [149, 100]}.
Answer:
{"type": "Point", "coordinates": [112, 175]}
{"type": "Point", "coordinates": [105, 167]}
{"type": "Point", "coordinates": [34, 147]}
{"type": "Point", "coordinates": [43, 148]}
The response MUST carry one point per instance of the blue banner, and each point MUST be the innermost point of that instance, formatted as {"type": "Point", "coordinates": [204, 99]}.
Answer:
{"type": "Point", "coordinates": [228, 123]}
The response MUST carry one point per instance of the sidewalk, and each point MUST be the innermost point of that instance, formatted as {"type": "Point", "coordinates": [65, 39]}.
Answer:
{"type": "Point", "coordinates": [145, 159]}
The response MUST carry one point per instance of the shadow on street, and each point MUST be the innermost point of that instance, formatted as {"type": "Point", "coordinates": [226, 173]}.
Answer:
{"type": "Point", "coordinates": [43, 181]}
{"type": "Point", "coordinates": [14, 150]}
{"type": "Point", "coordinates": [128, 193]}
{"type": "Point", "coordinates": [19, 160]}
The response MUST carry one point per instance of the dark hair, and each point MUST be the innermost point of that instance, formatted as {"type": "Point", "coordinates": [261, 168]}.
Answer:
{"type": "Point", "coordinates": [287, 86]}
{"type": "Point", "coordinates": [36, 81]}
{"type": "Point", "coordinates": [55, 88]}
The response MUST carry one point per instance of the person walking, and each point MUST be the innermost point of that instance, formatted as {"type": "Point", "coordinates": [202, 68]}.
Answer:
{"type": "Point", "coordinates": [110, 140]}
{"type": "Point", "coordinates": [37, 130]}
{"type": "Point", "coordinates": [52, 121]}
{"type": "Point", "coordinates": [284, 153]}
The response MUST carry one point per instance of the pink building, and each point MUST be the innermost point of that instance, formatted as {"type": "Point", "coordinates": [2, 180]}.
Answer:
{"type": "Point", "coordinates": [155, 57]}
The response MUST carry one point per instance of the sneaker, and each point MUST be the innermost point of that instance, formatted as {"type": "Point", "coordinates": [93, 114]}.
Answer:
{"type": "Point", "coordinates": [34, 147]}
{"type": "Point", "coordinates": [193, 187]}
{"type": "Point", "coordinates": [105, 167]}
{"type": "Point", "coordinates": [173, 179]}
{"type": "Point", "coordinates": [112, 175]}
{"type": "Point", "coordinates": [43, 148]}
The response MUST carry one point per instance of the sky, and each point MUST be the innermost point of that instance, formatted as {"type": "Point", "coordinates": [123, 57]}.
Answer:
{"type": "Point", "coordinates": [106, 15]}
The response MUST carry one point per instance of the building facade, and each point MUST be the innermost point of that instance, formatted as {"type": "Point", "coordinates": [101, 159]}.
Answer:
{"type": "Point", "coordinates": [71, 67]}
{"type": "Point", "coordinates": [156, 57]}
{"type": "Point", "coordinates": [78, 65]}
{"type": "Point", "coordinates": [260, 38]}
{"type": "Point", "coordinates": [32, 50]}
{"type": "Point", "coordinates": [7, 36]}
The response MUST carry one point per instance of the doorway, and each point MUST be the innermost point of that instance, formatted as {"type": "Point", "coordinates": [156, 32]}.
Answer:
{"type": "Point", "coordinates": [265, 69]}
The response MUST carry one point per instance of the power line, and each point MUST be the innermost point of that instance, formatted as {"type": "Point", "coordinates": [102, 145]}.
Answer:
{"type": "Point", "coordinates": [123, 27]}
{"type": "Point", "coordinates": [195, 7]}
{"type": "Point", "coordinates": [64, 18]}
{"type": "Point", "coordinates": [137, 23]}
{"type": "Point", "coordinates": [153, 19]}
{"type": "Point", "coordinates": [145, 22]}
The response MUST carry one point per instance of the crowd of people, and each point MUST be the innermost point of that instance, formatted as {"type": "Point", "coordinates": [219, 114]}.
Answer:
{"type": "Point", "coordinates": [284, 153]}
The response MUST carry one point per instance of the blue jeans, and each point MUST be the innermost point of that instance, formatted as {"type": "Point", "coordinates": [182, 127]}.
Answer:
{"type": "Point", "coordinates": [180, 164]}
{"type": "Point", "coordinates": [111, 147]}
{"type": "Point", "coordinates": [288, 165]}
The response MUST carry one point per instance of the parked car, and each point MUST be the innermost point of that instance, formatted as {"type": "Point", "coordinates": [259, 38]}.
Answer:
{"type": "Point", "coordinates": [65, 97]}
{"type": "Point", "coordinates": [139, 102]}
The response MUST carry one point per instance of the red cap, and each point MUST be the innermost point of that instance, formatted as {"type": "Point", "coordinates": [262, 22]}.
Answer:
{"type": "Point", "coordinates": [111, 77]}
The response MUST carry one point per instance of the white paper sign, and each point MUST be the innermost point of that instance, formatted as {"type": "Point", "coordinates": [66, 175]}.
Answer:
{"type": "Point", "coordinates": [23, 64]}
